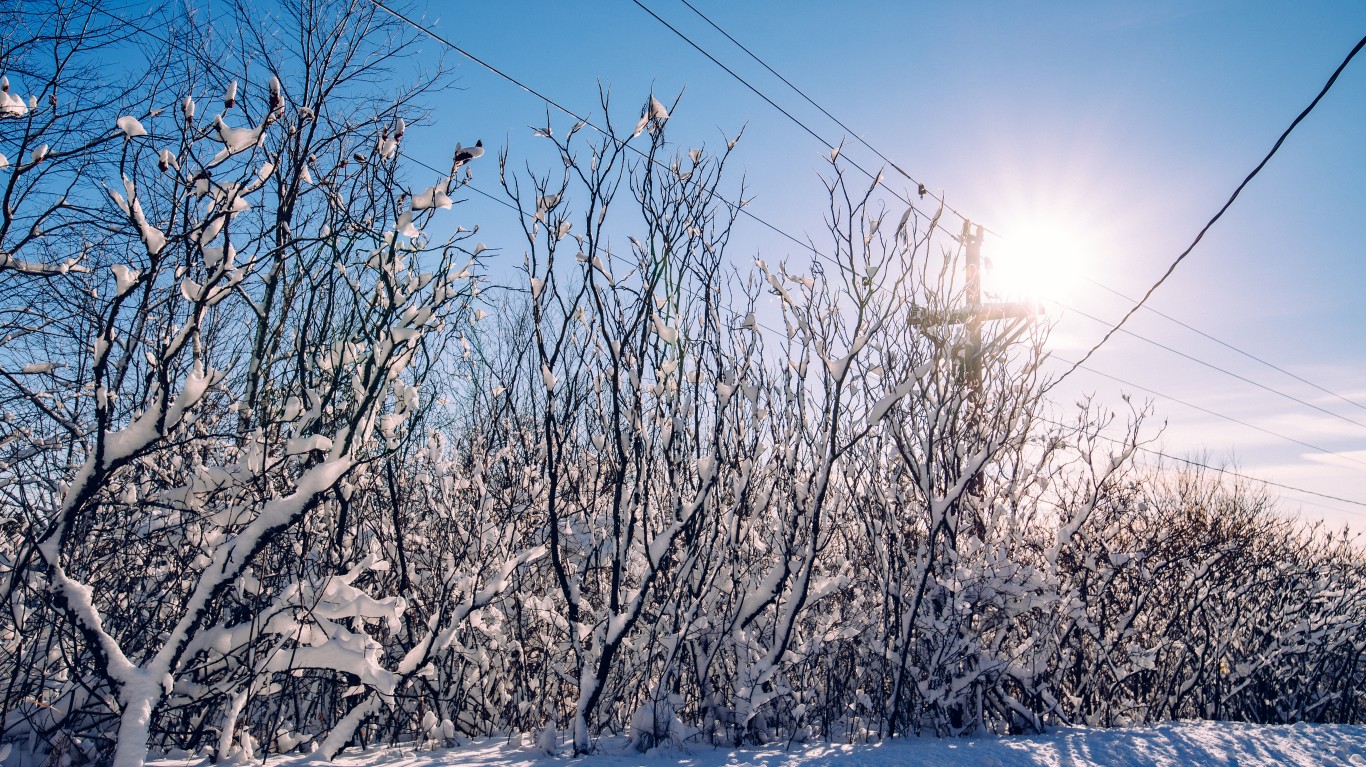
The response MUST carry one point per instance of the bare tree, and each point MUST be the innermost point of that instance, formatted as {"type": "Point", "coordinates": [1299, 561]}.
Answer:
{"type": "Point", "coordinates": [628, 362]}
{"type": "Point", "coordinates": [192, 444]}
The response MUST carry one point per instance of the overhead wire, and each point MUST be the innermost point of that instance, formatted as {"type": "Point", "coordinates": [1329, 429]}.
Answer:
{"type": "Point", "coordinates": [1232, 473]}
{"type": "Point", "coordinates": [1215, 413]}
{"type": "Point", "coordinates": [1230, 347]}
{"type": "Point", "coordinates": [824, 141]}
{"type": "Point", "coordinates": [877, 179]}
{"type": "Point", "coordinates": [1218, 215]}
{"type": "Point", "coordinates": [940, 198]}
{"type": "Point", "coordinates": [1212, 366]}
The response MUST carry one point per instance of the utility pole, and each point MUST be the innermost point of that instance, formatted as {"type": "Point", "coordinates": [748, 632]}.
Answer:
{"type": "Point", "coordinates": [972, 359]}
{"type": "Point", "coordinates": [972, 317]}
{"type": "Point", "coordinates": [975, 313]}
{"type": "Point", "coordinates": [972, 362]}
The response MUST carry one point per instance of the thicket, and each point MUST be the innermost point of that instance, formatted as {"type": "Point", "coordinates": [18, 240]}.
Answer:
{"type": "Point", "coordinates": [280, 470]}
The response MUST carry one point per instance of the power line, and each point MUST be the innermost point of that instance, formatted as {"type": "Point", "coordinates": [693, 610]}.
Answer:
{"type": "Point", "coordinates": [1231, 347]}
{"type": "Point", "coordinates": [1230, 472]}
{"type": "Point", "coordinates": [1214, 367]}
{"type": "Point", "coordinates": [826, 142]}
{"type": "Point", "coordinates": [1270, 432]}
{"type": "Point", "coordinates": [1229, 203]}
{"type": "Point", "coordinates": [850, 131]}
{"type": "Point", "coordinates": [1299, 501]}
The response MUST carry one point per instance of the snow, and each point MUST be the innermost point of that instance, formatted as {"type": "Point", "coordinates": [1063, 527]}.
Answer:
{"type": "Point", "coordinates": [433, 197]}
{"type": "Point", "coordinates": [653, 115]}
{"type": "Point", "coordinates": [214, 256]}
{"type": "Point", "coordinates": [124, 278]}
{"type": "Point", "coordinates": [544, 204]}
{"type": "Point", "coordinates": [1173, 745]}
{"type": "Point", "coordinates": [666, 334]}
{"type": "Point", "coordinates": [882, 406]}
{"type": "Point", "coordinates": [300, 445]}
{"type": "Point", "coordinates": [11, 104]}
{"type": "Point", "coordinates": [405, 225]}
{"type": "Point", "coordinates": [236, 140]}
{"type": "Point", "coordinates": [130, 126]}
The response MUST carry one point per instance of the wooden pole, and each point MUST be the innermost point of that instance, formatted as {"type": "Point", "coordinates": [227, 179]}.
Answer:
{"type": "Point", "coordinates": [972, 364]}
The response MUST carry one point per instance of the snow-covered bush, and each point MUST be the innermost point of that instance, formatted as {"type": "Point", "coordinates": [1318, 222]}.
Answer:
{"type": "Point", "coordinates": [270, 480]}
{"type": "Point", "coordinates": [254, 296]}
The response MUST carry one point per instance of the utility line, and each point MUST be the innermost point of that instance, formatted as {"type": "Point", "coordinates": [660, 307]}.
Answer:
{"type": "Point", "coordinates": [1228, 472]}
{"type": "Point", "coordinates": [794, 239]}
{"type": "Point", "coordinates": [1302, 503]}
{"type": "Point", "coordinates": [1229, 203]}
{"type": "Point", "coordinates": [850, 131]}
{"type": "Point", "coordinates": [877, 179]}
{"type": "Point", "coordinates": [1213, 367]}
{"type": "Point", "coordinates": [1230, 347]}
{"type": "Point", "coordinates": [1270, 432]}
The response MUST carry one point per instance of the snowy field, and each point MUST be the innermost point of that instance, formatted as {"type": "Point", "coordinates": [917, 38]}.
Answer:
{"type": "Point", "coordinates": [1217, 744]}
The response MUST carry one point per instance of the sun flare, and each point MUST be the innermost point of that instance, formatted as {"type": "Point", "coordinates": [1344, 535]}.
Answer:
{"type": "Point", "coordinates": [1035, 259]}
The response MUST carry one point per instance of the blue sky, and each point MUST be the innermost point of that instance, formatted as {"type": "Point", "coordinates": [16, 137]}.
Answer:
{"type": "Point", "coordinates": [1112, 131]}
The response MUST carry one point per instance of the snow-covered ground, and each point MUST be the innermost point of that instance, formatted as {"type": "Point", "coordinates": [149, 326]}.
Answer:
{"type": "Point", "coordinates": [1216, 744]}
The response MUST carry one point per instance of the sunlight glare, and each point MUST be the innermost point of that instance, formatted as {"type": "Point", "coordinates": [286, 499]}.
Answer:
{"type": "Point", "coordinates": [1036, 259]}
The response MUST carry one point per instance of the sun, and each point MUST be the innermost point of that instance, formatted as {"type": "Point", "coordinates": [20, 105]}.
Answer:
{"type": "Point", "coordinates": [1035, 258]}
